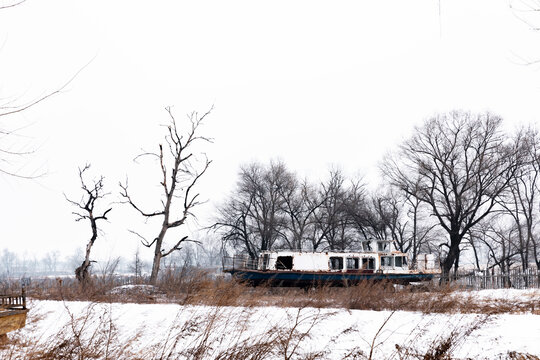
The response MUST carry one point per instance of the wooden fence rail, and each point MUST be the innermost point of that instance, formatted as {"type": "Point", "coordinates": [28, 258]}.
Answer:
{"type": "Point", "coordinates": [13, 301]}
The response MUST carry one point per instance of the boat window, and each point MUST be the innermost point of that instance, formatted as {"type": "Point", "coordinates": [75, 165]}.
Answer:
{"type": "Point", "coordinates": [353, 263]}
{"type": "Point", "coordinates": [336, 263]}
{"type": "Point", "coordinates": [387, 261]}
{"type": "Point", "coordinates": [382, 246]}
{"type": "Point", "coordinates": [368, 264]}
{"type": "Point", "coordinates": [367, 246]}
{"type": "Point", "coordinates": [284, 263]}
{"type": "Point", "coordinates": [264, 261]}
{"type": "Point", "coordinates": [399, 261]}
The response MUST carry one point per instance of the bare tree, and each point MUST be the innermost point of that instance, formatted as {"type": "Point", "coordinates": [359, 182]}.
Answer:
{"type": "Point", "coordinates": [383, 218]}
{"type": "Point", "coordinates": [178, 182]}
{"type": "Point", "coordinates": [253, 219]}
{"type": "Point", "coordinates": [463, 163]}
{"type": "Point", "coordinates": [234, 224]}
{"type": "Point", "coordinates": [137, 266]}
{"type": "Point", "coordinates": [358, 211]}
{"type": "Point", "coordinates": [10, 150]}
{"type": "Point", "coordinates": [392, 215]}
{"type": "Point", "coordinates": [211, 251]}
{"type": "Point", "coordinates": [50, 260]}
{"type": "Point", "coordinates": [300, 202]}
{"type": "Point", "coordinates": [333, 223]}
{"type": "Point", "coordinates": [499, 237]}
{"type": "Point", "coordinates": [521, 200]}
{"type": "Point", "coordinates": [8, 261]}
{"type": "Point", "coordinates": [412, 231]}
{"type": "Point", "coordinates": [87, 211]}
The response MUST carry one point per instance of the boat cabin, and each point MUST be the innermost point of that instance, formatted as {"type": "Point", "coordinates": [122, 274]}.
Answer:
{"type": "Point", "coordinates": [374, 255]}
{"type": "Point", "coordinates": [332, 261]}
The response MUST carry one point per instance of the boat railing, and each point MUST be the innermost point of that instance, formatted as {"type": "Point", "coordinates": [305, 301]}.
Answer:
{"type": "Point", "coordinates": [239, 262]}
{"type": "Point", "coordinates": [13, 302]}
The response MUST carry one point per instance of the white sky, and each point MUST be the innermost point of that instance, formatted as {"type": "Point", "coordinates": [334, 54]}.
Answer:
{"type": "Point", "coordinates": [314, 83]}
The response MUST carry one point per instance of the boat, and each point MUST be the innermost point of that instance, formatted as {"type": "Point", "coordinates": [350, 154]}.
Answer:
{"type": "Point", "coordinates": [375, 262]}
{"type": "Point", "coordinates": [12, 313]}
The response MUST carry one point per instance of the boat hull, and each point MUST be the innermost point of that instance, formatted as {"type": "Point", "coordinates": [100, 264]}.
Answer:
{"type": "Point", "coordinates": [301, 278]}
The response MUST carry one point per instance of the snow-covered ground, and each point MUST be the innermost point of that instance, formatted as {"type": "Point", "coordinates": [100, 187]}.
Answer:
{"type": "Point", "coordinates": [153, 330]}
{"type": "Point", "coordinates": [502, 294]}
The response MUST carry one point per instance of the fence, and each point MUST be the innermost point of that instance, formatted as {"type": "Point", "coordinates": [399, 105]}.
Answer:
{"type": "Point", "coordinates": [516, 279]}
{"type": "Point", "coordinates": [13, 301]}
{"type": "Point", "coordinates": [239, 262]}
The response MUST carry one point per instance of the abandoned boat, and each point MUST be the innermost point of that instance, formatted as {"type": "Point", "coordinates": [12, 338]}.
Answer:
{"type": "Point", "coordinates": [12, 313]}
{"type": "Point", "coordinates": [295, 268]}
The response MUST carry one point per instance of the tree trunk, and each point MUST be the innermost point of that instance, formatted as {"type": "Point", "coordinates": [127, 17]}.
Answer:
{"type": "Point", "coordinates": [476, 259]}
{"type": "Point", "coordinates": [155, 267]}
{"type": "Point", "coordinates": [81, 273]}
{"type": "Point", "coordinates": [452, 256]}
{"type": "Point", "coordinates": [414, 238]}
{"type": "Point", "coordinates": [157, 256]}
{"type": "Point", "coordinates": [536, 257]}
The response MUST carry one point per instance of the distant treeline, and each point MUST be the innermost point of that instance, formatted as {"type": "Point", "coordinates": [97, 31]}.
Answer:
{"type": "Point", "coordinates": [13, 265]}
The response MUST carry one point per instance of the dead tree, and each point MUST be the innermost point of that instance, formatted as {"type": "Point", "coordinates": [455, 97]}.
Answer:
{"type": "Point", "coordinates": [86, 211]}
{"type": "Point", "coordinates": [178, 182]}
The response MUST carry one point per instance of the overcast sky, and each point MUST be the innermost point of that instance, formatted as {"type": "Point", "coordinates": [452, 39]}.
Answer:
{"type": "Point", "coordinates": [314, 83]}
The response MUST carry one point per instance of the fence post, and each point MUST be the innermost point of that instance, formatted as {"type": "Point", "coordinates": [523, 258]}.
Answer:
{"type": "Point", "coordinates": [23, 293]}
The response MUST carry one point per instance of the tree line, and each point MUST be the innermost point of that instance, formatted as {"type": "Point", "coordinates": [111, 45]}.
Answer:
{"type": "Point", "coordinates": [272, 208]}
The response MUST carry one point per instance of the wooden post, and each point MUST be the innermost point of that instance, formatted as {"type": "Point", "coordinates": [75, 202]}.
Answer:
{"type": "Point", "coordinates": [23, 293]}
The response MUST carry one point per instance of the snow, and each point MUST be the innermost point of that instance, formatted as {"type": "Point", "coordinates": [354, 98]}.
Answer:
{"type": "Point", "coordinates": [134, 288]}
{"type": "Point", "coordinates": [333, 333]}
{"type": "Point", "coordinates": [502, 294]}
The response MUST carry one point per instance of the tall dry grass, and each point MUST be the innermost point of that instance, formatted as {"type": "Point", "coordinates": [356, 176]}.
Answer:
{"type": "Point", "coordinates": [191, 287]}
{"type": "Point", "coordinates": [224, 334]}
{"type": "Point", "coordinates": [215, 334]}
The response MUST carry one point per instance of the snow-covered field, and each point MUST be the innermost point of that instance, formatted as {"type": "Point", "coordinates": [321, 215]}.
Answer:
{"type": "Point", "coordinates": [205, 332]}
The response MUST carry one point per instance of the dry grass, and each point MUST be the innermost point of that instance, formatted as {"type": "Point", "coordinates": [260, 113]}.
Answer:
{"type": "Point", "coordinates": [215, 334]}
{"type": "Point", "coordinates": [199, 288]}
{"type": "Point", "coordinates": [224, 334]}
